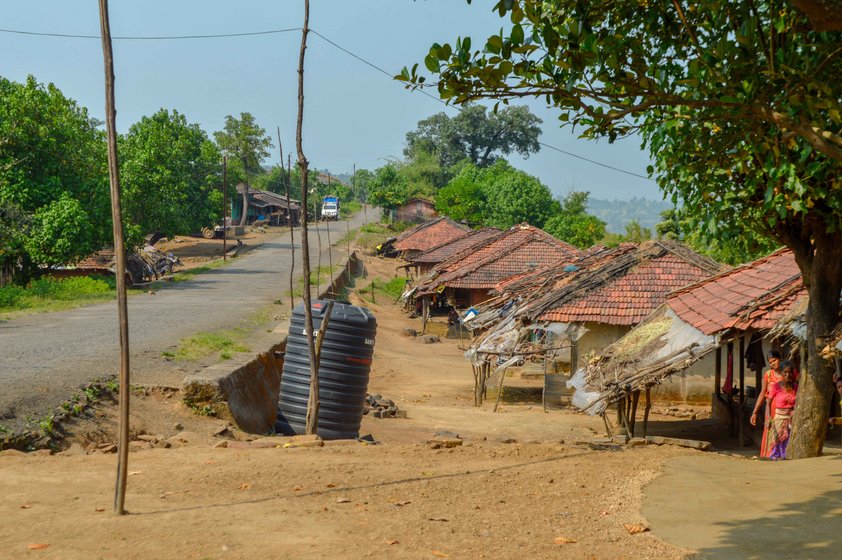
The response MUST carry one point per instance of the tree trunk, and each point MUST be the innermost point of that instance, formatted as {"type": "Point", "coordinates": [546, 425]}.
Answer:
{"type": "Point", "coordinates": [821, 267]}
{"type": "Point", "coordinates": [245, 215]}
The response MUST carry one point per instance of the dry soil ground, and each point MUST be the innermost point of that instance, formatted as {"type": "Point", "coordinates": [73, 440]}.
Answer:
{"type": "Point", "coordinates": [521, 485]}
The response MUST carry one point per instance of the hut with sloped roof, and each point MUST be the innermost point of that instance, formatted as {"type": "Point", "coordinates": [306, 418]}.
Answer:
{"type": "Point", "coordinates": [427, 235]}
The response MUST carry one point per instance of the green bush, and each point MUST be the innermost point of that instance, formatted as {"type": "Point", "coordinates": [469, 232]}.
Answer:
{"type": "Point", "coordinates": [10, 296]}
{"type": "Point", "coordinates": [70, 288]}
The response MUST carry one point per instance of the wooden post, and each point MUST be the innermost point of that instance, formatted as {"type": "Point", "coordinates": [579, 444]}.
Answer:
{"type": "Point", "coordinates": [312, 418]}
{"type": "Point", "coordinates": [574, 356]}
{"type": "Point", "coordinates": [717, 378]}
{"type": "Point", "coordinates": [224, 207]}
{"type": "Point", "coordinates": [633, 418]}
{"type": "Point", "coordinates": [500, 389]}
{"type": "Point", "coordinates": [425, 310]}
{"type": "Point", "coordinates": [646, 410]}
{"type": "Point", "coordinates": [291, 233]}
{"type": "Point", "coordinates": [319, 259]}
{"type": "Point", "coordinates": [120, 254]}
{"type": "Point", "coordinates": [607, 425]}
{"type": "Point", "coordinates": [742, 399]}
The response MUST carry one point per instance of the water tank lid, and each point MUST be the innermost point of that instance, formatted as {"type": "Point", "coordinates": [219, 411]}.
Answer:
{"type": "Point", "coordinates": [344, 312]}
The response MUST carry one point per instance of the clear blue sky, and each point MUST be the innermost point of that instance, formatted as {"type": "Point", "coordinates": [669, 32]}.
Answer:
{"type": "Point", "coordinates": [353, 113]}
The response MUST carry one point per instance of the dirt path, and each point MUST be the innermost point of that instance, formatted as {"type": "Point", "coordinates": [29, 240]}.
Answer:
{"type": "Point", "coordinates": [45, 357]}
{"type": "Point", "coordinates": [524, 483]}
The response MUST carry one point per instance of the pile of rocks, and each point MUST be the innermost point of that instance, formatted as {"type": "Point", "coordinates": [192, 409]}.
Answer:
{"type": "Point", "coordinates": [677, 412]}
{"type": "Point", "coordinates": [380, 407]}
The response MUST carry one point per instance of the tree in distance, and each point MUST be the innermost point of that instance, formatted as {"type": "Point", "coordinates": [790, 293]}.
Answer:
{"type": "Point", "coordinates": [476, 135]}
{"type": "Point", "coordinates": [171, 174]}
{"type": "Point", "coordinates": [739, 104]}
{"type": "Point", "coordinates": [573, 224]}
{"type": "Point", "coordinates": [53, 184]}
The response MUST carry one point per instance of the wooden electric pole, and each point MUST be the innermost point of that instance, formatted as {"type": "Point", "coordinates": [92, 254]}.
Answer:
{"type": "Point", "coordinates": [120, 254]}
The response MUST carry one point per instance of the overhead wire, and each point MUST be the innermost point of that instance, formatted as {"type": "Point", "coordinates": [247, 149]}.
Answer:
{"type": "Point", "coordinates": [327, 40]}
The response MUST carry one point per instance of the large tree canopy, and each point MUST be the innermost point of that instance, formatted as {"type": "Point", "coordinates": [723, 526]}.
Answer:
{"type": "Point", "coordinates": [573, 224]}
{"type": "Point", "coordinates": [246, 143]}
{"type": "Point", "coordinates": [498, 196]}
{"type": "Point", "coordinates": [52, 164]}
{"type": "Point", "coordinates": [739, 103]}
{"type": "Point", "coordinates": [171, 175]}
{"type": "Point", "coordinates": [476, 135]}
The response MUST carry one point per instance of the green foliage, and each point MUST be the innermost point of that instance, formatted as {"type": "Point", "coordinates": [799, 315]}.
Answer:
{"type": "Point", "coordinates": [391, 290]}
{"type": "Point", "coordinates": [739, 249]}
{"type": "Point", "coordinates": [52, 162]}
{"type": "Point", "coordinates": [475, 135]}
{"type": "Point", "coordinates": [60, 233]}
{"type": "Point", "coordinates": [45, 291]}
{"type": "Point", "coordinates": [497, 196]}
{"type": "Point", "coordinates": [573, 224]}
{"type": "Point", "coordinates": [204, 344]}
{"type": "Point", "coordinates": [171, 175]}
{"type": "Point", "coordinates": [388, 188]}
{"type": "Point", "coordinates": [247, 145]}
{"type": "Point", "coordinates": [360, 182]}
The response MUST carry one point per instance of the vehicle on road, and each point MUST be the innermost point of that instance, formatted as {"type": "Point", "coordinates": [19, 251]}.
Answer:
{"type": "Point", "coordinates": [330, 208]}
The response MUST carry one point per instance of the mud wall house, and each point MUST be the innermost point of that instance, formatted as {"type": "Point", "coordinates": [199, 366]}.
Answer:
{"type": "Point", "coordinates": [466, 279]}
{"type": "Point", "coordinates": [429, 234]}
{"type": "Point", "coordinates": [591, 302]}
{"type": "Point", "coordinates": [706, 340]}
{"type": "Point", "coordinates": [415, 210]}
{"type": "Point", "coordinates": [423, 263]}
{"type": "Point", "coordinates": [264, 206]}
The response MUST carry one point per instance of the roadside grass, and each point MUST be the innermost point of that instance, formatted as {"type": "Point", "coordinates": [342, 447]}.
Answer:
{"type": "Point", "coordinates": [349, 208]}
{"type": "Point", "coordinates": [319, 276]}
{"type": "Point", "coordinates": [55, 294]}
{"type": "Point", "coordinates": [203, 344]}
{"type": "Point", "coordinates": [386, 291]}
{"type": "Point", "coordinates": [189, 274]}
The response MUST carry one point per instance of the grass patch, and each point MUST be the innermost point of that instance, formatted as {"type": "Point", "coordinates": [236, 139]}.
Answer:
{"type": "Point", "coordinates": [383, 290]}
{"type": "Point", "coordinates": [53, 294]}
{"type": "Point", "coordinates": [189, 274]}
{"type": "Point", "coordinates": [346, 209]}
{"type": "Point", "coordinates": [204, 344]}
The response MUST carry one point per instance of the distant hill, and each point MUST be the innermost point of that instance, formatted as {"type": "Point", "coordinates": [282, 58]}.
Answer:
{"type": "Point", "coordinates": [617, 213]}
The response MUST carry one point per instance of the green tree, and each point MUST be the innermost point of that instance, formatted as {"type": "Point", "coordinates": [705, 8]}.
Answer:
{"type": "Point", "coordinates": [388, 189]}
{"type": "Point", "coordinates": [739, 103]}
{"type": "Point", "coordinates": [247, 145]}
{"type": "Point", "coordinates": [51, 152]}
{"type": "Point", "coordinates": [476, 135]}
{"type": "Point", "coordinates": [58, 230]}
{"type": "Point", "coordinates": [463, 199]}
{"type": "Point", "coordinates": [737, 249]}
{"type": "Point", "coordinates": [171, 174]}
{"type": "Point", "coordinates": [635, 233]}
{"type": "Point", "coordinates": [573, 224]}
{"type": "Point", "coordinates": [360, 182]}
{"type": "Point", "coordinates": [14, 229]}
{"type": "Point", "coordinates": [513, 196]}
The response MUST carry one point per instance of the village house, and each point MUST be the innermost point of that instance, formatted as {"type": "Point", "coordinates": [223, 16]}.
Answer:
{"type": "Point", "coordinates": [427, 235]}
{"type": "Point", "coordinates": [424, 262]}
{"type": "Point", "coordinates": [415, 210]}
{"type": "Point", "coordinates": [680, 347]}
{"type": "Point", "coordinates": [264, 206]}
{"type": "Point", "coordinates": [466, 279]}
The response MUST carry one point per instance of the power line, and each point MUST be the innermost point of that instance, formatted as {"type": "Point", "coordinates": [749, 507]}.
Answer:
{"type": "Point", "coordinates": [329, 41]}
{"type": "Point", "coordinates": [152, 37]}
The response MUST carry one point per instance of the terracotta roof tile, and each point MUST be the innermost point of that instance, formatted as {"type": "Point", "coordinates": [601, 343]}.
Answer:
{"type": "Point", "coordinates": [752, 296]}
{"type": "Point", "coordinates": [446, 250]}
{"type": "Point", "coordinates": [432, 233]}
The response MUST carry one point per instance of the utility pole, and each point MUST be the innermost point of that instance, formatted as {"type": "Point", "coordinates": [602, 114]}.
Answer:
{"type": "Point", "coordinates": [120, 254]}
{"type": "Point", "coordinates": [224, 207]}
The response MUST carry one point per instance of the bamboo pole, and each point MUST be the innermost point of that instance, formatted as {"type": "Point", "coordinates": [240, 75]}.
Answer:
{"type": "Point", "coordinates": [319, 258]}
{"type": "Point", "coordinates": [291, 233]}
{"type": "Point", "coordinates": [646, 410]}
{"type": "Point", "coordinates": [312, 418]}
{"type": "Point", "coordinates": [224, 207]}
{"type": "Point", "coordinates": [120, 254]}
{"type": "Point", "coordinates": [289, 219]}
{"type": "Point", "coordinates": [633, 418]}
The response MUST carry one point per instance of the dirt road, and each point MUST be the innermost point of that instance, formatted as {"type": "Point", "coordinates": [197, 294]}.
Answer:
{"type": "Point", "coordinates": [523, 484]}
{"type": "Point", "coordinates": [44, 357]}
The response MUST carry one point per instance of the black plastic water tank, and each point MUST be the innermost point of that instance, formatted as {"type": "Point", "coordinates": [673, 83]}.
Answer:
{"type": "Point", "coordinates": [345, 364]}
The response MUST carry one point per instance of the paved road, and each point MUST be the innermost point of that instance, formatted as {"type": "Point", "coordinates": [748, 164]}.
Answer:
{"type": "Point", "coordinates": [45, 357]}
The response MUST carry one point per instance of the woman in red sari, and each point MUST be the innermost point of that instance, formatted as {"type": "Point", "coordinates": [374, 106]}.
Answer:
{"type": "Point", "coordinates": [771, 377]}
{"type": "Point", "coordinates": [783, 402]}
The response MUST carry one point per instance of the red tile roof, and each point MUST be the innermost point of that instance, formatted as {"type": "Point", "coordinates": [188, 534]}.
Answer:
{"type": "Point", "coordinates": [622, 286]}
{"type": "Point", "coordinates": [442, 252]}
{"type": "Point", "coordinates": [429, 234]}
{"type": "Point", "coordinates": [512, 252]}
{"type": "Point", "coordinates": [752, 296]}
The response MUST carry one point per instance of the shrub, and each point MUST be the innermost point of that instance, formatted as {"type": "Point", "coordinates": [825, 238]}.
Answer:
{"type": "Point", "coordinates": [10, 296]}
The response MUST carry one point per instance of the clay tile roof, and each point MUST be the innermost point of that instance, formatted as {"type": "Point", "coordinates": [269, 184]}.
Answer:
{"type": "Point", "coordinates": [442, 252]}
{"type": "Point", "coordinates": [103, 258]}
{"type": "Point", "coordinates": [620, 286]}
{"type": "Point", "coordinates": [429, 234]}
{"type": "Point", "coordinates": [514, 251]}
{"type": "Point", "coordinates": [752, 296]}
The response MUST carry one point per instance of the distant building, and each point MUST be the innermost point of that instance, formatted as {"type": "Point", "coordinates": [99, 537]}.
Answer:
{"type": "Point", "coordinates": [415, 210]}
